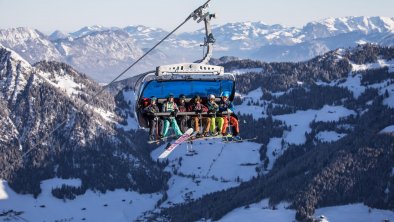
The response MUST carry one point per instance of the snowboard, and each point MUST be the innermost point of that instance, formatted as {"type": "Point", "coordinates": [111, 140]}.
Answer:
{"type": "Point", "coordinates": [171, 146]}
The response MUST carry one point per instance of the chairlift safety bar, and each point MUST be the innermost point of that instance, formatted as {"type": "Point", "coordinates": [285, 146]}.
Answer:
{"type": "Point", "coordinates": [225, 113]}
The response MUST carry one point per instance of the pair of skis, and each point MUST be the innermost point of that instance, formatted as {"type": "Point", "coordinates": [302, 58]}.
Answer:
{"type": "Point", "coordinates": [170, 147]}
{"type": "Point", "coordinates": [186, 138]}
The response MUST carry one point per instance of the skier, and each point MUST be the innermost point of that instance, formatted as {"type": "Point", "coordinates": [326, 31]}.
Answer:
{"type": "Point", "coordinates": [213, 108]}
{"type": "Point", "coordinates": [170, 106]}
{"type": "Point", "coordinates": [152, 119]}
{"type": "Point", "coordinates": [182, 120]}
{"type": "Point", "coordinates": [226, 105]}
{"type": "Point", "coordinates": [199, 108]}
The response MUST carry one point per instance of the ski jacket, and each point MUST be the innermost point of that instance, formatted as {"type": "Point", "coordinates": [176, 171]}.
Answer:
{"type": "Point", "coordinates": [212, 106]}
{"type": "Point", "coordinates": [224, 106]}
{"type": "Point", "coordinates": [182, 107]}
{"type": "Point", "coordinates": [197, 107]}
{"type": "Point", "coordinates": [151, 109]}
{"type": "Point", "coordinates": [169, 107]}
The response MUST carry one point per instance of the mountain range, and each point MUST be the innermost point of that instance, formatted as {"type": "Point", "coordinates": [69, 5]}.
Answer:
{"type": "Point", "coordinates": [103, 52]}
{"type": "Point", "coordinates": [324, 137]}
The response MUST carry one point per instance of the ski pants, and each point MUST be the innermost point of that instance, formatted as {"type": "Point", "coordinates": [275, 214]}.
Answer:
{"type": "Point", "coordinates": [182, 123]}
{"type": "Point", "coordinates": [205, 121]}
{"type": "Point", "coordinates": [174, 126]}
{"type": "Point", "coordinates": [153, 126]}
{"type": "Point", "coordinates": [219, 121]}
{"type": "Point", "coordinates": [233, 123]}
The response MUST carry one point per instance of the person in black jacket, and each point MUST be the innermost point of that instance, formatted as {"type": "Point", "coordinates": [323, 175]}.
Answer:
{"type": "Point", "coordinates": [213, 108]}
{"type": "Point", "coordinates": [153, 120]}
{"type": "Point", "coordinates": [182, 119]}
{"type": "Point", "coordinates": [197, 107]}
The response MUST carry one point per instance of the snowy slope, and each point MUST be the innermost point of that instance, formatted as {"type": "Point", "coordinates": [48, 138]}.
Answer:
{"type": "Point", "coordinates": [249, 104]}
{"type": "Point", "coordinates": [262, 211]}
{"type": "Point", "coordinates": [216, 166]}
{"type": "Point", "coordinates": [300, 121]}
{"type": "Point", "coordinates": [127, 113]}
{"type": "Point", "coordinates": [12, 85]}
{"type": "Point", "coordinates": [389, 129]}
{"type": "Point", "coordinates": [329, 136]}
{"type": "Point", "coordinates": [20, 76]}
{"type": "Point", "coordinates": [117, 205]}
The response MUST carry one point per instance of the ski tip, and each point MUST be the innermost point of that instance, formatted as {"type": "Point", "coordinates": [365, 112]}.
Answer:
{"type": "Point", "coordinates": [164, 155]}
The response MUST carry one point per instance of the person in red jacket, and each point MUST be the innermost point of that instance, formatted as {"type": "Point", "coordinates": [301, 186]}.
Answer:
{"type": "Point", "coordinates": [197, 107]}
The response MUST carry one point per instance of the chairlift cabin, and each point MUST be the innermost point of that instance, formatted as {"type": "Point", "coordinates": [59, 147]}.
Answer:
{"type": "Point", "coordinates": [188, 79]}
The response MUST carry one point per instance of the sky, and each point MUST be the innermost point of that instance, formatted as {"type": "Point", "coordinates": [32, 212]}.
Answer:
{"type": "Point", "coordinates": [71, 15]}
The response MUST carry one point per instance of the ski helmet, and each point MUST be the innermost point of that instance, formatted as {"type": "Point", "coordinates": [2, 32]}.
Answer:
{"type": "Point", "coordinates": [226, 94]}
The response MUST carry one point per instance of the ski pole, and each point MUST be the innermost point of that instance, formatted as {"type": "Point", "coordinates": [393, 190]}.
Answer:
{"type": "Point", "coordinates": [200, 118]}
{"type": "Point", "coordinates": [157, 127]}
{"type": "Point", "coordinates": [229, 121]}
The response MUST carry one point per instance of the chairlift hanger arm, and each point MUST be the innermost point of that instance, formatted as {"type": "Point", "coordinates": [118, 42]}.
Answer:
{"type": "Point", "coordinates": [196, 14]}
{"type": "Point", "coordinates": [209, 39]}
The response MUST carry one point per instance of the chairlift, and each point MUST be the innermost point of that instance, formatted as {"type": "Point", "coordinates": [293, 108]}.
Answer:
{"type": "Point", "coordinates": [189, 79]}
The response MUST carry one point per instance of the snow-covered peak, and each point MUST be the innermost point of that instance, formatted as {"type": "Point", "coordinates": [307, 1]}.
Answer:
{"type": "Point", "coordinates": [334, 26]}
{"type": "Point", "coordinates": [249, 30]}
{"type": "Point", "coordinates": [24, 40]}
{"type": "Point", "coordinates": [90, 29]}
{"type": "Point", "coordinates": [58, 35]}
{"type": "Point", "coordinates": [31, 44]}
{"type": "Point", "coordinates": [16, 35]}
{"type": "Point", "coordinates": [141, 28]}
{"type": "Point", "coordinates": [145, 36]}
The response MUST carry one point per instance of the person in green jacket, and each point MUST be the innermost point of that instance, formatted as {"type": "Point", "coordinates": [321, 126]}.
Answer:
{"type": "Point", "coordinates": [170, 106]}
{"type": "Point", "coordinates": [213, 108]}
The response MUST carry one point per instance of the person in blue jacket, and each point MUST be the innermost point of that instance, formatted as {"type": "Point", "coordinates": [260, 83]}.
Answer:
{"type": "Point", "coordinates": [225, 105]}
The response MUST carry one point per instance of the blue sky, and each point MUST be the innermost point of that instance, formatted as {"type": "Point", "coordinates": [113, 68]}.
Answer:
{"type": "Point", "coordinates": [70, 15]}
